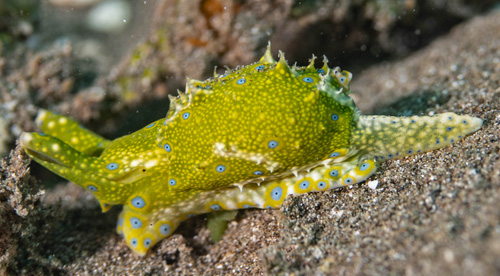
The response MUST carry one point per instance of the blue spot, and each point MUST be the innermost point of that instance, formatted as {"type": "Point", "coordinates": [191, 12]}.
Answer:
{"type": "Point", "coordinates": [133, 242]}
{"type": "Point", "coordinates": [92, 188]}
{"type": "Point", "coordinates": [348, 181]}
{"type": "Point", "coordinates": [272, 144]}
{"type": "Point", "coordinates": [167, 147]}
{"type": "Point", "coordinates": [321, 71]}
{"type": "Point", "coordinates": [215, 207]}
{"type": "Point", "coordinates": [260, 67]}
{"type": "Point", "coordinates": [147, 242]}
{"type": "Point", "coordinates": [450, 118]}
{"type": "Point", "coordinates": [334, 173]}
{"type": "Point", "coordinates": [165, 229]}
{"type": "Point", "coordinates": [308, 79]}
{"type": "Point", "coordinates": [138, 202]}
{"type": "Point", "coordinates": [335, 117]}
{"type": "Point", "coordinates": [410, 151]}
{"type": "Point", "coordinates": [241, 81]}
{"type": "Point", "coordinates": [135, 222]}
{"type": "Point", "coordinates": [258, 173]}
{"type": "Point", "coordinates": [412, 121]}
{"type": "Point", "coordinates": [364, 166]}
{"type": "Point", "coordinates": [42, 134]}
{"type": "Point", "coordinates": [112, 166]}
{"type": "Point", "coordinates": [449, 128]}
{"type": "Point", "coordinates": [452, 140]}
{"type": "Point", "coordinates": [185, 115]}
{"type": "Point", "coordinates": [321, 185]}
{"type": "Point", "coordinates": [246, 206]}
{"type": "Point", "coordinates": [465, 122]}
{"type": "Point", "coordinates": [335, 154]}
{"type": "Point", "coordinates": [172, 182]}
{"type": "Point", "coordinates": [304, 185]}
{"type": "Point", "coordinates": [121, 222]}
{"type": "Point", "coordinates": [276, 193]}
{"type": "Point", "coordinates": [393, 122]}
{"type": "Point", "coordinates": [342, 80]}
{"type": "Point", "coordinates": [437, 141]}
{"type": "Point", "coordinates": [390, 155]}
{"type": "Point", "coordinates": [220, 168]}
{"type": "Point", "coordinates": [151, 125]}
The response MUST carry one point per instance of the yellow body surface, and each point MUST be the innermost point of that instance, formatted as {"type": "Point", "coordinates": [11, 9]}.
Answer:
{"type": "Point", "coordinates": [246, 139]}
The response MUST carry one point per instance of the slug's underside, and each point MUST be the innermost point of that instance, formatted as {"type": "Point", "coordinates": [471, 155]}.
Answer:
{"type": "Point", "coordinates": [246, 139]}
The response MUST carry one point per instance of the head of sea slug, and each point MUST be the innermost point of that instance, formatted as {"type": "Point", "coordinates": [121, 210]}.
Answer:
{"type": "Point", "coordinates": [110, 176]}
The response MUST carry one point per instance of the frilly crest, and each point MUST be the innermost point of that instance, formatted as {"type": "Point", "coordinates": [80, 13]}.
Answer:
{"type": "Point", "coordinates": [333, 81]}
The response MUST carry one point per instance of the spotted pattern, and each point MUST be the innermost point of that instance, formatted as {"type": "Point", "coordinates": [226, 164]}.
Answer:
{"type": "Point", "coordinates": [112, 166]}
{"type": "Point", "coordinates": [92, 188]}
{"type": "Point", "coordinates": [135, 222]}
{"type": "Point", "coordinates": [138, 202]}
{"type": "Point", "coordinates": [308, 79]}
{"type": "Point", "coordinates": [246, 139]}
{"type": "Point", "coordinates": [165, 229]}
{"type": "Point", "coordinates": [148, 242]}
{"type": "Point", "coordinates": [167, 147]}
{"type": "Point", "coordinates": [220, 168]}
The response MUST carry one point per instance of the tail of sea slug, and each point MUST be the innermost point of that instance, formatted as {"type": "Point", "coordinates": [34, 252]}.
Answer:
{"type": "Point", "coordinates": [387, 137]}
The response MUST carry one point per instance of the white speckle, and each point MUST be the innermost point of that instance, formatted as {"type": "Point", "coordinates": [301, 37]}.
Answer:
{"type": "Point", "coordinates": [219, 147]}
{"type": "Point", "coordinates": [373, 184]}
{"type": "Point", "coordinates": [63, 121]}
{"type": "Point", "coordinates": [26, 138]}
{"type": "Point", "coordinates": [55, 147]}
{"type": "Point", "coordinates": [51, 124]}
{"type": "Point", "coordinates": [135, 163]}
{"type": "Point", "coordinates": [151, 163]}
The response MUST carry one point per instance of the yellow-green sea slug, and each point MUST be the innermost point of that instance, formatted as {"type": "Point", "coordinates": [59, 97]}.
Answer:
{"type": "Point", "coordinates": [246, 139]}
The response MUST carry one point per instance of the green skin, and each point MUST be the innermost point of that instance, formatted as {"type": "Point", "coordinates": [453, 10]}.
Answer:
{"type": "Point", "coordinates": [243, 140]}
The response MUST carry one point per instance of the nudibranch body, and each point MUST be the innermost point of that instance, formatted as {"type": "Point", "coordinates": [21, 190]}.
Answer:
{"type": "Point", "coordinates": [246, 139]}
